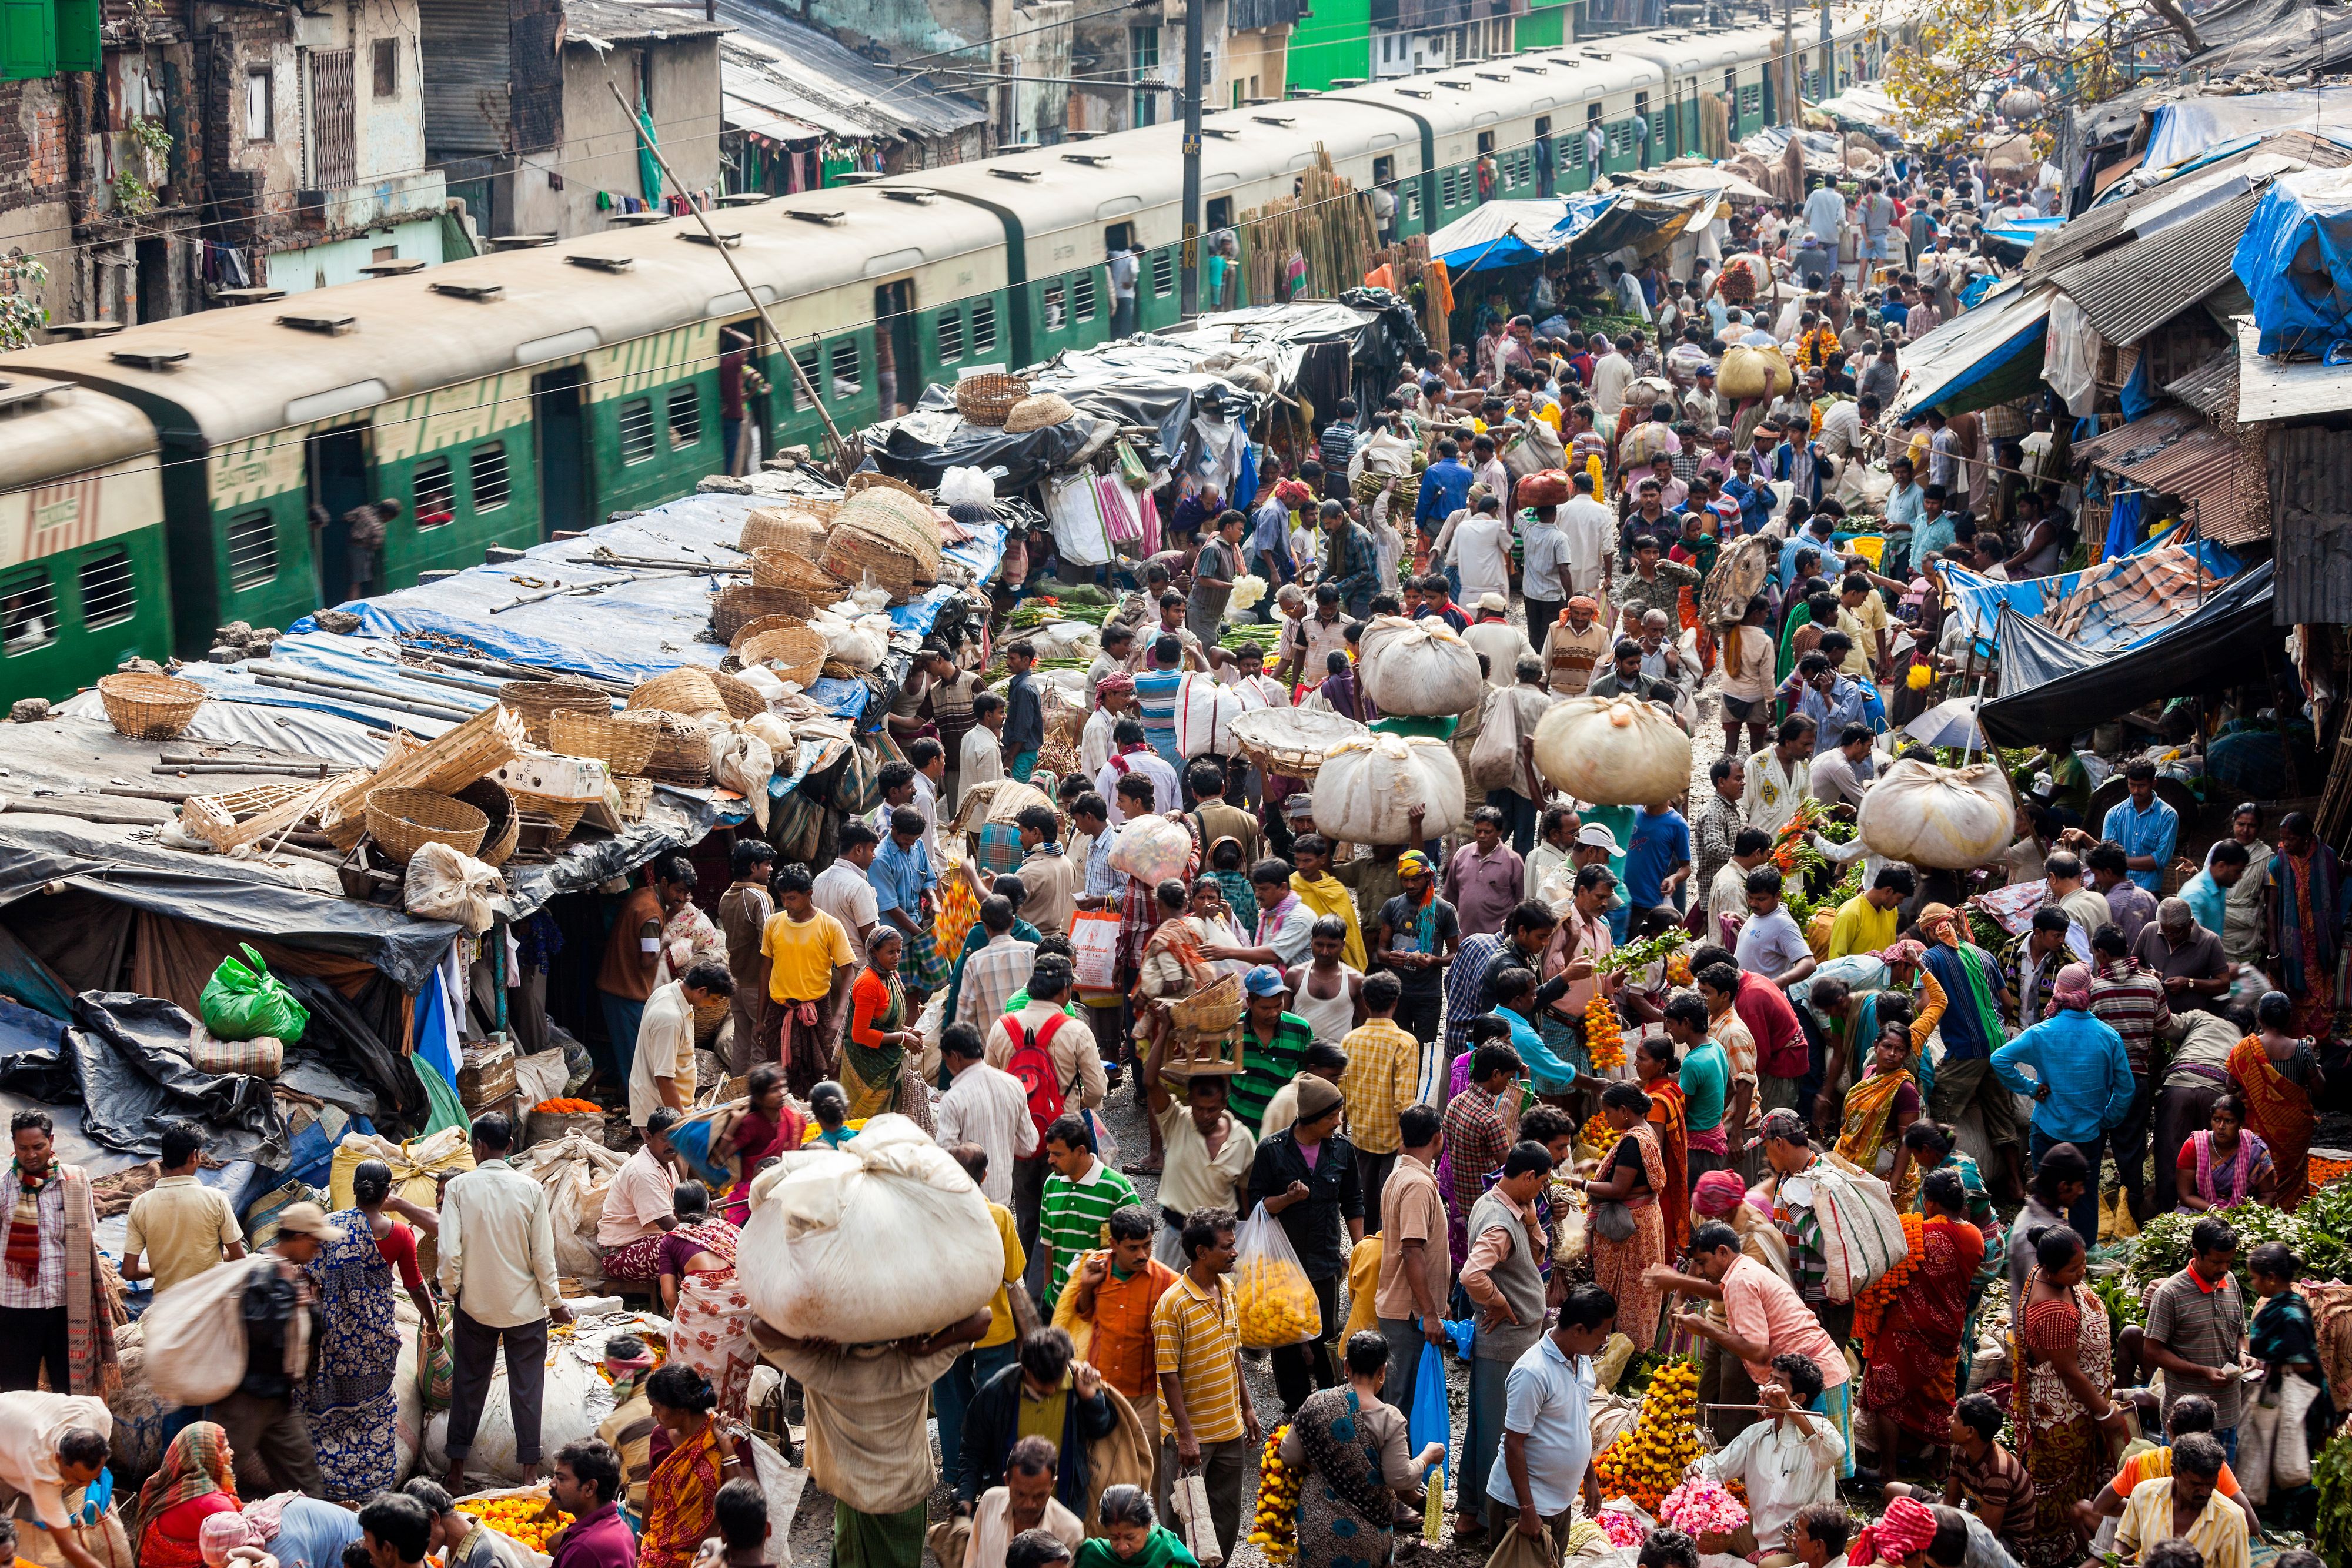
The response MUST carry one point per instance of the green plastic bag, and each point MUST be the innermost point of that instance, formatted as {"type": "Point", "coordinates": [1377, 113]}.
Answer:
{"type": "Point", "coordinates": [244, 1001]}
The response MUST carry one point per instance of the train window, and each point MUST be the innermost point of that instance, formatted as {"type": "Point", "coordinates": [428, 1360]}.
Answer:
{"type": "Point", "coordinates": [984, 327]}
{"type": "Point", "coordinates": [685, 417]}
{"type": "Point", "coordinates": [1445, 188]}
{"type": "Point", "coordinates": [845, 370]}
{"type": "Point", "coordinates": [1163, 272]}
{"type": "Point", "coordinates": [1057, 308]}
{"type": "Point", "coordinates": [106, 593]}
{"type": "Point", "coordinates": [490, 464]}
{"type": "Point", "coordinates": [28, 612]}
{"type": "Point", "coordinates": [253, 548]}
{"type": "Point", "coordinates": [811, 367]}
{"type": "Point", "coordinates": [950, 335]}
{"type": "Point", "coordinates": [638, 430]}
{"type": "Point", "coordinates": [1413, 201]}
{"type": "Point", "coordinates": [435, 492]}
{"type": "Point", "coordinates": [1084, 289]}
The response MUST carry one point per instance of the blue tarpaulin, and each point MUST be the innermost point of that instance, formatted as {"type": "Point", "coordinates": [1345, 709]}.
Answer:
{"type": "Point", "coordinates": [2295, 260]}
{"type": "Point", "coordinates": [1508, 233]}
{"type": "Point", "coordinates": [1979, 598]}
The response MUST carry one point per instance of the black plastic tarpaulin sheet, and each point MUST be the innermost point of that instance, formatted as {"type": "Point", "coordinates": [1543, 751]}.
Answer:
{"type": "Point", "coordinates": [2052, 688]}
{"type": "Point", "coordinates": [124, 1059]}
{"type": "Point", "coordinates": [921, 446]}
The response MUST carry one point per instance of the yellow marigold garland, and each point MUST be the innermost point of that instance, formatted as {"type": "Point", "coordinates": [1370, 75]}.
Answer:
{"type": "Point", "coordinates": [1646, 1462]}
{"type": "Point", "coordinates": [1274, 1531]}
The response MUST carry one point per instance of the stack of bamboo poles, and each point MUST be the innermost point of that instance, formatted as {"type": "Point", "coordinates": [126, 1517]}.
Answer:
{"type": "Point", "coordinates": [1327, 225]}
{"type": "Point", "coordinates": [1409, 266]}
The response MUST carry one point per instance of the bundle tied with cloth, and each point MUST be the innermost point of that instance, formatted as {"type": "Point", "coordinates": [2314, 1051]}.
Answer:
{"type": "Point", "coordinates": [195, 1335]}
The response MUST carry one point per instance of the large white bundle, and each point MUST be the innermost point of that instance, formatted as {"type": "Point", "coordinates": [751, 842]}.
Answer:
{"type": "Point", "coordinates": [1367, 789]}
{"type": "Point", "coordinates": [1205, 712]}
{"type": "Point", "coordinates": [575, 1171]}
{"type": "Point", "coordinates": [576, 1400]}
{"type": "Point", "coordinates": [1422, 668]}
{"type": "Point", "coordinates": [1862, 1234]}
{"type": "Point", "coordinates": [196, 1336]}
{"type": "Point", "coordinates": [1950, 818]}
{"type": "Point", "coordinates": [1614, 751]}
{"type": "Point", "coordinates": [882, 1240]}
{"type": "Point", "coordinates": [1151, 849]}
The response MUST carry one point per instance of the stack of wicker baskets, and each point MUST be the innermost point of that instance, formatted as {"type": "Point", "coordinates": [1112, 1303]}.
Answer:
{"type": "Point", "coordinates": [887, 535]}
{"type": "Point", "coordinates": [986, 399]}
{"type": "Point", "coordinates": [806, 586]}
{"type": "Point", "coordinates": [688, 689]}
{"type": "Point", "coordinates": [622, 741]}
{"type": "Point", "coordinates": [536, 702]}
{"type": "Point", "coordinates": [794, 653]}
{"type": "Point", "coordinates": [799, 527]}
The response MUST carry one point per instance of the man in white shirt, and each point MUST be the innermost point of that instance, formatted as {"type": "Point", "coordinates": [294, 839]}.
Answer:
{"type": "Point", "coordinates": [1769, 944]}
{"type": "Point", "coordinates": [639, 1206]}
{"type": "Point", "coordinates": [1839, 776]}
{"type": "Point", "coordinates": [1024, 1502]}
{"type": "Point", "coordinates": [52, 1446]}
{"type": "Point", "coordinates": [981, 760]}
{"type": "Point", "coordinates": [1114, 700]}
{"type": "Point", "coordinates": [841, 890]}
{"type": "Point", "coordinates": [983, 1106]}
{"type": "Point", "coordinates": [662, 1071]}
{"type": "Point", "coordinates": [1492, 635]}
{"type": "Point", "coordinates": [1545, 1460]}
{"type": "Point", "coordinates": [1777, 776]}
{"type": "Point", "coordinates": [1790, 1459]}
{"type": "Point", "coordinates": [1589, 536]}
{"type": "Point", "coordinates": [1000, 968]}
{"type": "Point", "coordinates": [1826, 215]}
{"type": "Point", "coordinates": [1844, 428]}
{"type": "Point", "coordinates": [496, 1268]}
{"type": "Point", "coordinates": [1482, 551]}
{"type": "Point", "coordinates": [1612, 373]}
{"type": "Point", "coordinates": [1726, 895]}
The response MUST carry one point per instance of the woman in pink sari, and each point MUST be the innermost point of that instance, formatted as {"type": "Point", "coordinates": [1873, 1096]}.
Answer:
{"type": "Point", "coordinates": [711, 1315]}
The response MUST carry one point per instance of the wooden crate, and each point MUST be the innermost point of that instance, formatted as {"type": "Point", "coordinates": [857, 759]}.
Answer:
{"type": "Point", "coordinates": [485, 1079]}
{"type": "Point", "coordinates": [1190, 1052]}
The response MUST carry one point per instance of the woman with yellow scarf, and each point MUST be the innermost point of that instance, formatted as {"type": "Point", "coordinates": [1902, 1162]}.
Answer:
{"type": "Point", "coordinates": [1879, 1109]}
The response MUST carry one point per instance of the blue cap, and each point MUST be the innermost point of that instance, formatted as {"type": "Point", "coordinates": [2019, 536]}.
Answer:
{"type": "Point", "coordinates": [1266, 980]}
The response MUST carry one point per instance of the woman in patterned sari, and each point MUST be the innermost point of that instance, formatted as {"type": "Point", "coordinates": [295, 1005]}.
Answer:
{"type": "Point", "coordinates": [1354, 1445]}
{"type": "Point", "coordinates": [1878, 1110]}
{"type": "Point", "coordinates": [682, 1494]}
{"type": "Point", "coordinates": [1909, 1385]}
{"type": "Point", "coordinates": [874, 1053]}
{"type": "Point", "coordinates": [711, 1315]}
{"type": "Point", "coordinates": [2304, 901]}
{"type": "Point", "coordinates": [196, 1479]}
{"type": "Point", "coordinates": [1653, 1062]}
{"type": "Point", "coordinates": [2224, 1164]}
{"type": "Point", "coordinates": [1633, 1174]}
{"type": "Point", "coordinates": [2277, 1075]}
{"type": "Point", "coordinates": [350, 1396]}
{"type": "Point", "coordinates": [2068, 1428]}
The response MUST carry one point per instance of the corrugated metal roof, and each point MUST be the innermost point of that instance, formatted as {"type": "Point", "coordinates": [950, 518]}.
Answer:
{"type": "Point", "coordinates": [616, 23]}
{"type": "Point", "coordinates": [2136, 440]}
{"type": "Point", "coordinates": [2211, 389]}
{"type": "Point", "coordinates": [2175, 451]}
{"type": "Point", "coordinates": [2127, 292]}
{"type": "Point", "coordinates": [813, 76]}
{"type": "Point", "coordinates": [2272, 389]}
{"type": "Point", "coordinates": [2114, 219]}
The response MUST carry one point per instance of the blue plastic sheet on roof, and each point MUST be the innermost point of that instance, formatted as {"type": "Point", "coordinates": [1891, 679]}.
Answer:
{"type": "Point", "coordinates": [1507, 234]}
{"type": "Point", "coordinates": [1980, 598]}
{"type": "Point", "coordinates": [613, 624]}
{"type": "Point", "coordinates": [2200, 128]}
{"type": "Point", "coordinates": [2295, 260]}
{"type": "Point", "coordinates": [2021, 231]}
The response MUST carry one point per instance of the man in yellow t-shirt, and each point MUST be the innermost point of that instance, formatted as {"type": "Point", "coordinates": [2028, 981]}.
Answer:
{"type": "Point", "coordinates": [809, 963]}
{"type": "Point", "coordinates": [1866, 923]}
{"type": "Point", "coordinates": [1862, 615]}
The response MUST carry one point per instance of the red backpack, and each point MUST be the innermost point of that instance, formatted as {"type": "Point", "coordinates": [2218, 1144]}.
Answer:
{"type": "Point", "coordinates": [1033, 1064]}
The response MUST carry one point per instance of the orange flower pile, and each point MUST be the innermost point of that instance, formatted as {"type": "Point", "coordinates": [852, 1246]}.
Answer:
{"type": "Point", "coordinates": [1274, 1529]}
{"type": "Point", "coordinates": [1597, 1132]}
{"type": "Point", "coordinates": [1645, 1462]}
{"type": "Point", "coordinates": [531, 1520]}
{"type": "Point", "coordinates": [561, 1106]}
{"type": "Point", "coordinates": [2324, 1171]}
{"type": "Point", "coordinates": [1604, 1038]}
{"type": "Point", "coordinates": [1871, 1306]}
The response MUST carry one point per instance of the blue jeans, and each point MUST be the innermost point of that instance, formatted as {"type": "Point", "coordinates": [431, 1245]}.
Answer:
{"type": "Point", "coordinates": [952, 1395]}
{"type": "Point", "coordinates": [621, 1017]}
{"type": "Point", "coordinates": [2082, 1214]}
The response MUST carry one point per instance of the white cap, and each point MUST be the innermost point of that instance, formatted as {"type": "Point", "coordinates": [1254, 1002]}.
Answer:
{"type": "Point", "coordinates": [1597, 836]}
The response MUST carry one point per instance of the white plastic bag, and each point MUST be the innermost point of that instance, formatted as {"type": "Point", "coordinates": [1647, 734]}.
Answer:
{"type": "Point", "coordinates": [1614, 751]}
{"type": "Point", "coordinates": [1366, 790]}
{"type": "Point", "coordinates": [443, 884]}
{"type": "Point", "coordinates": [196, 1336]}
{"type": "Point", "coordinates": [882, 1240]}
{"type": "Point", "coordinates": [1422, 668]}
{"type": "Point", "coordinates": [1273, 1301]}
{"type": "Point", "coordinates": [1151, 849]}
{"type": "Point", "coordinates": [1949, 818]}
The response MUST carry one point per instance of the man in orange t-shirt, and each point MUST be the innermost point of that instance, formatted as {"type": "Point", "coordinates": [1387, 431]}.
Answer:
{"type": "Point", "coordinates": [1115, 1292]}
{"type": "Point", "coordinates": [2189, 1413]}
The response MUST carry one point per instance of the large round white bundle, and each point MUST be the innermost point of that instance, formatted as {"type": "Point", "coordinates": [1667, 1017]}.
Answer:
{"type": "Point", "coordinates": [1205, 712]}
{"type": "Point", "coordinates": [1422, 668]}
{"type": "Point", "coordinates": [1614, 751]}
{"type": "Point", "coordinates": [575, 1399]}
{"type": "Point", "coordinates": [1151, 849]}
{"type": "Point", "coordinates": [881, 1239]}
{"type": "Point", "coordinates": [1950, 818]}
{"type": "Point", "coordinates": [1367, 789]}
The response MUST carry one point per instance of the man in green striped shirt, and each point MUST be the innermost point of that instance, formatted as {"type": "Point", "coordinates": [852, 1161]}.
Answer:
{"type": "Point", "coordinates": [1273, 1042]}
{"type": "Point", "coordinates": [1074, 1216]}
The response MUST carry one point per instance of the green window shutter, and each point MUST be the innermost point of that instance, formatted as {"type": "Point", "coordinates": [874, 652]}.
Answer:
{"type": "Point", "coordinates": [77, 47]}
{"type": "Point", "coordinates": [27, 40]}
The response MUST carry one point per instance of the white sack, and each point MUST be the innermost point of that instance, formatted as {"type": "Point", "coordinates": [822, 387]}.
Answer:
{"type": "Point", "coordinates": [574, 1402]}
{"type": "Point", "coordinates": [443, 884]}
{"type": "Point", "coordinates": [1367, 789]}
{"type": "Point", "coordinates": [196, 1336]}
{"type": "Point", "coordinates": [1614, 751]}
{"type": "Point", "coordinates": [1422, 668]}
{"type": "Point", "coordinates": [1205, 712]}
{"type": "Point", "coordinates": [1151, 850]}
{"type": "Point", "coordinates": [575, 1174]}
{"type": "Point", "coordinates": [1949, 818]}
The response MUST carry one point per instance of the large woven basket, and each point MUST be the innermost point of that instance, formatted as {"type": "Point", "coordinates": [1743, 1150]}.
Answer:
{"type": "Point", "coordinates": [987, 399]}
{"type": "Point", "coordinates": [788, 528]}
{"type": "Point", "coordinates": [404, 820]}
{"type": "Point", "coordinates": [796, 653]}
{"type": "Point", "coordinates": [900, 516]}
{"type": "Point", "coordinates": [859, 484]}
{"type": "Point", "coordinates": [682, 756]}
{"type": "Point", "coordinates": [686, 689]}
{"type": "Point", "coordinates": [624, 741]}
{"type": "Point", "coordinates": [534, 702]}
{"type": "Point", "coordinates": [1038, 412]}
{"type": "Point", "coordinates": [489, 797]}
{"type": "Point", "coordinates": [1292, 741]}
{"type": "Point", "coordinates": [861, 558]}
{"type": "Point", "coordinates": [545, 810]}
{"type": "Point", "coordinates": [146, 706]}
{"type": "Point", "coordinates": [750, 629]}
{"type": "Point", "coordinates": [1210, 1010]}
{"type": "Point", "coordinates": [740, 603]}
{"type": "Point", "coordinates": [796, 573]}
{"type": "Point", "coordinates": [743, 698]}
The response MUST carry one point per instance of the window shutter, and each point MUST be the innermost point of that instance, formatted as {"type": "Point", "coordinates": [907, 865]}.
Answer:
{"type": "Point", "coordinates": [28, 42]}
{"type": "Point", "coordinates": [78, 45]}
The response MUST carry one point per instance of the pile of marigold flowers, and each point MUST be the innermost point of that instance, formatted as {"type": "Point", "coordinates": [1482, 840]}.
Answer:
{"type": "Point", "coordinates": [533, 1520]}
{"type": "Point", "coordinates": [1646, 1463]}
{"type": "Point", "coordinates": [1871, 1307]}
{"type": "Point", "coordinates": [564, 1106]}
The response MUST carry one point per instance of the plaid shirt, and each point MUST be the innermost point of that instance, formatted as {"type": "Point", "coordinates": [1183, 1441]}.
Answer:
{"type": "Point", "coordinates": [990, 975]}
{"type": "Point", "coordinates": [2129, 997]}
{"type": "Point", "coordinates": [996, 849]}
{"type": "Point", "coordinates": [1383, 1077]}
{"type": "Point", "coordinates": [2020, 969]}
{"type": "Point", "coordinates": [1475, 1142]}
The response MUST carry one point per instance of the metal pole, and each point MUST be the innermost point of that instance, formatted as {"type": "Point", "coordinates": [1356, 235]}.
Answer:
{"type": "Point", "coordinates": [1789, 63]}
{"type": "Point", "coordinates": [1189, 295]}
{"type": "Point", "coordinates": [1829, 55]}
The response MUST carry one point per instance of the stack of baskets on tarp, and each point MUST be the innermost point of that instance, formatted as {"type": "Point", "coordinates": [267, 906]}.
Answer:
{"type": "Point", "coordinates": [886, 533]}
{"type": "Point", "coordinates": [783, 543]}
{"type": "Point", "coordinates": [443, 791]}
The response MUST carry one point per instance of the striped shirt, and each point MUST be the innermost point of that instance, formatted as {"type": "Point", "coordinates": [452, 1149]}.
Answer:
{"type": "Point", "coordinates": [1383, 1077]}
{"type": "Point", "coordinates": [2128, 997]}
{"type": "Point", "coordinates": [1267, 1067]}
{"type": "Point", "coordinates": [1197, 1337]}
{"type": "Point", "coordinates": [1155, 701]}
{"type": "Point", "coordinates": [1074, 1216]}
{"type": "Point", "coordinates": [990, 975]}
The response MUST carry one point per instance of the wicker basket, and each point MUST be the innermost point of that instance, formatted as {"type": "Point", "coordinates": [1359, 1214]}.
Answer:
{"type": "Point", "coordinates": [987, 399]}
{"type": "Point", "coordinates": [545, 810]}
{"type": "Point", "coordinates": [796, 653]}
{"type": "Point", "coordinates": [686, 689]}
{"type": "Point", "coordinates": [489, 797]}
{"type": "Point", "coordinates": [1292, 742]}
{"type": "Point", "coordinates": [1212, 1009]}
{"type": "Point", "coordinates": [535, 701]}
{"type": "Point", "coordinates": [750, 629]}
{"type": "Point", "coordinates": [624, 741]}
{"type": "Point", "coordinates": [682, 756]}
{"type": "Point", "coordinates": [783, 527]}
{"type": "Point", "coordinates": [634, 796]}
{"type": "Point", "coordinates": [1038, 412]}
{"type": "Point", "coordinates": [739, 604]}
{"type": "Point", "coordinates": [404, 820]}
{"type": "Point", "coordinates": [743, 698]}
{"type": "Point", "coordinates": [797, 573]}
{"type": "Point", "coordinates": [907, 521]}
{"type": "Point", "coordinates": [860, 483]}
{"type": "Point", "coordinates": [145, 706]}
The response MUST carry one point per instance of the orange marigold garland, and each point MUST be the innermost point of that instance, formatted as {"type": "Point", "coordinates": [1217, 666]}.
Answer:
{"type": "Point", "coordinates": [1871, 1306]}
{"type": "Point", "coordinates": [1605, 1038]}
{"type": "Point", "coordinates": [1646, 1461]}
{"type": "Point", "coordinates": [1274, 1529]}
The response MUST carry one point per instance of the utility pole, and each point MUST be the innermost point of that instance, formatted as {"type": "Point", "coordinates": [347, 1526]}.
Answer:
{"type": "Point", "coordinates": [1189, 295]}
{"type": "Point", "coordinates": [1829, 55]}
{"type": "Point", "coordinates": [1788, 115]}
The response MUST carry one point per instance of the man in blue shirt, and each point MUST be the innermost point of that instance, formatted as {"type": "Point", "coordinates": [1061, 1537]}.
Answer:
{"type": "Point", "coordinates": [903, 880]}
{"type": "Point", "coordinates": [1814, 534]}
{"type": "Point", "coordinates": [1658, 861]}
{"type": "Point", "coordinates": [1903, 504]}
{"type": "Point", "coordinates": [2146, 827]}
{"type": "Point", "coordinates": [2082, 1084]}
{"type": "Point", "coordinates": [1754, 496]}
{"type": "Point", "coordinates": [1819, 693]}
{"type": "Point", "coordinates": [1444, 488]}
